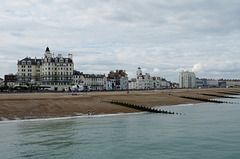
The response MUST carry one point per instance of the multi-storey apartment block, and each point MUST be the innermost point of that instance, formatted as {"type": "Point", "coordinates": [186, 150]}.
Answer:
{"type": "Point", "coordinates": [187, 79]}
{"type": "Point", "coordinates": [49, 71]}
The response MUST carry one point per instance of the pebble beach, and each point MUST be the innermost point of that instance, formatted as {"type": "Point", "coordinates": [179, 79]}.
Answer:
{"type": "Point", "coordinates": [49, 105]}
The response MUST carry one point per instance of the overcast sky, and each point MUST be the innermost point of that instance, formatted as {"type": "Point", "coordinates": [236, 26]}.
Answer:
{"type": "Point", "coordinates": [163, 37]}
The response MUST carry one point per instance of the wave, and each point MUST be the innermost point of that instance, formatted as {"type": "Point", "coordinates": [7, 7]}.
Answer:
{"type": "Point", "coordinates": [5, 120]}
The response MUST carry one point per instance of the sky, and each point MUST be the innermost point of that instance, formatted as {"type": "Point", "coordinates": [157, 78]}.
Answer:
{"type": "Point", "coordinates": [163, 37]}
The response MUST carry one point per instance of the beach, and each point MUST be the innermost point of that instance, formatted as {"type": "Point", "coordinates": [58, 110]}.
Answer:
{"type": "Point", "coordinates": [49, 105]}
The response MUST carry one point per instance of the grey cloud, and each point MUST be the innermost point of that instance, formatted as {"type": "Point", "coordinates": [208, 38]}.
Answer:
{"type": "Point", "coordinates": [166, 35]}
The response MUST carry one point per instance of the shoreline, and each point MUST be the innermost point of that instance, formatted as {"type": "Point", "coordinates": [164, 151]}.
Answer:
{"type": "Point", "coordinates": [69, 117]}
{"type": "Point", "coordinates": [57, 105]}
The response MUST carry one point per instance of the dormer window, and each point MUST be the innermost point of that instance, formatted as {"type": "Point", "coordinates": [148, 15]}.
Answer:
{"type": "Point", "coordinates": [23, 62]}
{"type": "Point", "coordinates": [61, 60]}
{"type": "Point", "coordinates": [66, 60]}
{"type": "Point", "coordinates": [56, 60]}
{"type": "Point", "coordinates": [49, 59]}
{"type": "Point", "coordinates": [29, 62]}
{"type": "Point", "coordinates": [38, 63]}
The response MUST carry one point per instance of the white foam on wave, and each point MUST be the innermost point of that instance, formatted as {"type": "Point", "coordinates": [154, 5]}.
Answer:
{"type": "Point", "coordinates": [5, 120]}
{"type": "Point", "coordinates": [178, 105]}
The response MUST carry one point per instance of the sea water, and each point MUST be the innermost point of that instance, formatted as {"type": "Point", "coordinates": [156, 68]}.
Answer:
{"type": "Point", "coordinates": [207, 130]}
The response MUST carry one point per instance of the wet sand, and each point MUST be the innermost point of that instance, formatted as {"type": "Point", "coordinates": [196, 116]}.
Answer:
{"type": "Point", "coordinates": [48, 105]}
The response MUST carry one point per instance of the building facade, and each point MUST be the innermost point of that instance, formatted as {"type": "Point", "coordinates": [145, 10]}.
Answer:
{"type": "Point", "coordinates": [117, 80]}
{"type": "Point", "coordinates": [90, 81]}
{"type": "Point", "coordinates": [187, 79]}
{"type": "Point", "coordinates": [10, 80]}
{"type": "Point", "coordinates": [160, 83]}
{"type": "Point", "coordinates": [51, 72]}
{"type": "Point", "coordinates": [143, 81]}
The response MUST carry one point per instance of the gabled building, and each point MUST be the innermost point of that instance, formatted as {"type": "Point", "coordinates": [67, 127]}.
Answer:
{"type": "Point", "coordinates": [117, 80]}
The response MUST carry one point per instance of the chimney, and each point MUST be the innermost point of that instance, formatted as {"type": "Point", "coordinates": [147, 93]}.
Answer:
{"type": "Point", "coordinates": [70, 56]}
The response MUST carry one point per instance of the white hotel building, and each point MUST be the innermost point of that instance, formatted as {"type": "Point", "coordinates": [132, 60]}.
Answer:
{"type": "Point", "coordinates": [50, 72]}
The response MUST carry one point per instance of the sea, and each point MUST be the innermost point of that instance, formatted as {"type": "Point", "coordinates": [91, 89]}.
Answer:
{"type": "Point", "coordinates": [203, 131]}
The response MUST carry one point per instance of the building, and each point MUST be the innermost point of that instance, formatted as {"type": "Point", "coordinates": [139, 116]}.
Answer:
{"type": "Point", "coordinates": [10, 80]}
{"type": "Point", "coordinates": [1, 82]}
{"type": "Point", "coordinates": [90, 81]}
{"type": "Point", "coordinates": [143, 81]}
{"type": "Point", "coordinates": [29, 70]}
{"type": "Point", "coordinates": [160, 83]}
{"type": "Point", "coordinates": [211, 83]}
{"type": "Point", "coordinates": [199, 83]}
{"type": "Point", "coordinates": [117, 80]}
{"type": "Point", "coordinates": [95, 81]}
{"type": "Point", "coordinates": [132, 84]}
{"type": "Point", "coordinates": [51, 72]}
{"type": "Point", "coordinates": [187, 79]}
{"type": "Point", "coordinates": [233, 83]}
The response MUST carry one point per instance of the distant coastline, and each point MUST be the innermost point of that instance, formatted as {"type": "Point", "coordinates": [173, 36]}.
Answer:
{"type": "Point", "coordinates": [51, 105]}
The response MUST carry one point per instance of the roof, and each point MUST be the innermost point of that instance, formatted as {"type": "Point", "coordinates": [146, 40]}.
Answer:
{"type": "Point", "coordinates": [57, 59]}
{"type": "Point", "coordinates": [93, 76]}
{"type": "Point", "coordinates": [47, 49]}
{"type": "Point", "coordinates": [40, 61]}
{"type": "Point", "coordinates": [33, 61]}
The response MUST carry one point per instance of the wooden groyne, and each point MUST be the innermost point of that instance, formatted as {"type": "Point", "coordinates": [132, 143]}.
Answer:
{"type": "Point", "coordinates": [207, 100]}
{"type": "Point", "coordinates": [219, 96]}
{"type": "Point", "coordinates": [230, 93]}
{"type": "Point", "coordinates": [142, 108]}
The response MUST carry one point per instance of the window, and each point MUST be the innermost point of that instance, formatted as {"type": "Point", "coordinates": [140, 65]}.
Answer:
{"type": "Point", "coordinates": [38, 63]}
{"type": "Point", "coordinates": [29, 62]}
{"type": "Point", "coordinates": [56, 60]}
{"type": "Point", "coordinates": [66, 60]}
{"type": "Point", "coordinates": [23, 62]}
{"type": "Point", "coordinates": [61, 60]}
{"type": "Point", "coordinates": [49, 59]}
